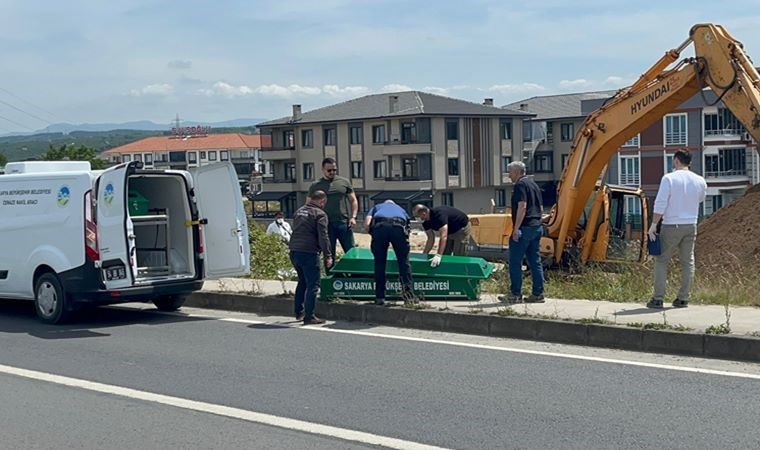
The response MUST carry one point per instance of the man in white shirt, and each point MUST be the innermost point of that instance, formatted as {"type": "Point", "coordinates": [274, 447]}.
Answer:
{"type": "Point", "coordinates": [280, 227]}
{"type": "Point", "coordinates": [677, 204]}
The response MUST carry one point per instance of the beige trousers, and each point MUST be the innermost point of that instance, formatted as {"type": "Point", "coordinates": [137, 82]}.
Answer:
{"type": "Point", "coordinates": [457, 242]}
{"type": "Point", "coordinates": [675, 238]}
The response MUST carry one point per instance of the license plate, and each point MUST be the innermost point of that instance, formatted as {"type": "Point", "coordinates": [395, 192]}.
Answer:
{"type": "Point", "coordinates": [116, 273]}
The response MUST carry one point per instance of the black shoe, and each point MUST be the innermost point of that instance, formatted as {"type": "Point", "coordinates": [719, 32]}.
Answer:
{"type": "Point", "coordinates": [380, 301]}
{"type": "Point", "coordinates": [511, 298]}
{"type": "Point", "coordinates": [314, 321]}
{"type": "Point", "coordinates": [300, 316]}
{"type": "Point", "coordinates": [680, 304]}
{"type": "Point", "coordinates": [535, 298]}
{"type": "Point", "coordinates": [654, 304]}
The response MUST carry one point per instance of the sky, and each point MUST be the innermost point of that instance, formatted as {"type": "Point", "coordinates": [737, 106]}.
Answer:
{"type": "Point", "coordinates": [94, 61]}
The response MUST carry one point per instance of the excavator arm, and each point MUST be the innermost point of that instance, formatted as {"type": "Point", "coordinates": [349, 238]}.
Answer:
{"type": "Point", "coordinates": [719, 63]}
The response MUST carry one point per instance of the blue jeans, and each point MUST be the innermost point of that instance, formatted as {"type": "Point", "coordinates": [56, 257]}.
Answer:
{"type": "Point", "coordinates": [339, 231]}
{"type": "Point", "coordinates": [307, 267]}
{"type": "Point", "coordinates": [528, 247]}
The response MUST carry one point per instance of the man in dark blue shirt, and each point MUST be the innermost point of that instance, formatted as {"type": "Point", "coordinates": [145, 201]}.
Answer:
{"type": "Point", "coordinates": [388, 223]}
{"type": "Point", "coordinates": [527, 208]}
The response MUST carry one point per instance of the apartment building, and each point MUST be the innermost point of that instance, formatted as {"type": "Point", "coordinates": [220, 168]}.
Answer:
{"type": "Point", "coordinates": [721, 149]}
{"type": "Point", "coordinates": [411, 147]}
{"type": "Point", "coordinates": [187, 150]}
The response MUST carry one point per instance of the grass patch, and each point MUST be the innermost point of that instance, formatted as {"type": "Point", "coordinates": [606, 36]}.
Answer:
{"type": "Point", "coordinates": [634, 283]}
{"type": "Point", "coordinates": [718, 329]}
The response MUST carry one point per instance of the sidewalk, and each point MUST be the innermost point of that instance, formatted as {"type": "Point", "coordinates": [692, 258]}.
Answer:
{"type": "Point", "coordinates": [743, 320]}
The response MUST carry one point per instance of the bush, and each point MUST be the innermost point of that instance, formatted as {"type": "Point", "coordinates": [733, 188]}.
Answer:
{"type": "Point", "coordinates": [268, 254]}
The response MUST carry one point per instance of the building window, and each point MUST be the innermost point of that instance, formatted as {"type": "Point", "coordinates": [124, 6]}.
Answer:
{"type": "Point", "coordinates": [307, 138]}
{"type": "Point", "coordinates": [728, 162]}
{"type": "Point", "coordinates": [453, 167]}
{"type": "Point", "coordinates": [357, 169]}
{"type": "Point", "coordinates": [192, 158]}
{"type": "Point", "coordinates": [564, 160]}
{"type": "Point", "coordinates": [363, 203]}
{"type": "Point", "coordinates": [212, 155]}
{"type": "Point", "coordinates": [549, 132]}
{"type": "Point", "coordinates": [505, 161]}
{"type": "Point", "coordinates": [452, 130]}
{"type": "Point", "coordinates": [138, 157]}
{"type": "Point", "coordinates": [203, 155]}
{"type": "Point", "coordinates": [501, 198]}
{"type": "Point", "coordinates": [378, 134]}
{"type": "Point", "coordinates": [675, 129]}
{"type": "Point", "coordinates": [567, 132]}
{"type": "Point", "coordinates": [717, 202]}
{"type": "Point", "coordinates": [356, 135]}
{"type": "Point", "coordinates": [289, 139]}
{"type": "Point", "coordinates": [127, 158]}
{"type": "Point", "coordinates": [447, 198]}
{"type": "Point", "coordinates": [409, 168]}
{"type": "Point", "coordinates": [542, 162]}
{"type": "Point", "coordinates": [629, 170]}
{"type": "Point", "coordinates": [722, 123]}
{"type": "Point", "coordinates": [308, 171]}
{"type": "Point", "coordinates": [243, 153]}
{"type": "Point", "coordinates": [148, 158]}
{"type": "Point", "coordinates": [224, 155]}
{"type": "Point", "coordinates": [378, 169]}
{"type": "Point", "coordinates": [632, 142]}
{"type": "Point", "coordinates": [161, 157]}
{"type": "Point", "coordinates": [330, 136]}
{"type": "Point", "coordinates": [668, 162]}
{"type": "Point", "coordinates": [506, 130]}
{"type": "Point", "coordinates": [408, 133]}
{"type": "Point", "coordinates": [290, 172]}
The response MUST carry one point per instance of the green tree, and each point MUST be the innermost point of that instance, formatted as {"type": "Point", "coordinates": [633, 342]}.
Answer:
{"type": "Point", "coordinates": [3, 160]}
{"type": "Point", "coordinates": [72, 153]}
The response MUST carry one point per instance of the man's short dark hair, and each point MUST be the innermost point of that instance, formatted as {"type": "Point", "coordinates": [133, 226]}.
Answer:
{"type": "Point", "coordinates": [318, 195]}
{"type": "Point", "coordinates": [327, 161]}
{"type": "Point", "coordinates": [279, 214]}
{"type": "Point", "coordinates": [683, 156]}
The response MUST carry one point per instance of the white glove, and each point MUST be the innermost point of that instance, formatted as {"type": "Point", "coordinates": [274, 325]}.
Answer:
{"type": "Point", "coordinates": [435, 261]}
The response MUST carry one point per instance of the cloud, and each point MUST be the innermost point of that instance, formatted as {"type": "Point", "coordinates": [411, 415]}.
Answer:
{"type": "Point", "coordinates": [337, 91]}
{"type": "Point", "coordinates": [516, 88]}
{"type": "Point", "coordinates": [575, 84]}
{"type": "Point", "coordinates": [180, 64]}
{"type": "Point", "coordinates": [619, 81]}
{"type": "Point", "coordinates": [437, 90]}
{"type": "Point", "coordinates": [395, 87]}
{"type": "Point", "coordinates": [160, 90]}
{"type": "Point", "coordinates": [275, 90]}
{"type": "Point", "coordinates": [220, 88]}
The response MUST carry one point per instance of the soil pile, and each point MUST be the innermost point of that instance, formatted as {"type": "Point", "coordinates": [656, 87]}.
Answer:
{"type": "Point", "coordinates": [730, 238]}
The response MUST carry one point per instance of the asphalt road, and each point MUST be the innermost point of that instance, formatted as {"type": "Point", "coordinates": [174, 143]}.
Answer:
{"type": "Point", "coordinates": [416, 391]}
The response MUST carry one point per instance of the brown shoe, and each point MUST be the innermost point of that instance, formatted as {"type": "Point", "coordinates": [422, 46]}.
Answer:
{"type": "Point", "coordinates": [535, 298]}
{"type": "Point", "coordinates": [314, 321]}
{"type": "Point", "coordinates": [300, 316]}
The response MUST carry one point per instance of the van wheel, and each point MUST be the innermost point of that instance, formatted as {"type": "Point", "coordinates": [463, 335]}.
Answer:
{"type": "Point", "coordinates": [50, 299]}
{"type": "Point", "coordinates": [169, 302]}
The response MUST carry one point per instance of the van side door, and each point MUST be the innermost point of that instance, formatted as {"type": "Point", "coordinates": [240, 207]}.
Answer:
{"type": "Point", "coordinates": [224, 227]}
{"type": "Point", "coordinates": [114, 227]}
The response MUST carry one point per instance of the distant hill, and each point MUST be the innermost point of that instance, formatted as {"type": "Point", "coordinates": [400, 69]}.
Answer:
{"type": "Point", "coordinates": [143, 125]}
{"type": "Point", "coordinates": [31, 146]}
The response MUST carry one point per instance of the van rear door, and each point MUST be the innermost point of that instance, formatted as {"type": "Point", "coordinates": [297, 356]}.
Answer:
{"type": "Point", "coordinates": [224, 226]}
{"type": "Point", "coordinates": [115, 230]}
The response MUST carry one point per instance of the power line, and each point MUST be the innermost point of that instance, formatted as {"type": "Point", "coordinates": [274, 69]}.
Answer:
{"type": "Point", "coordinates": [16, 123]}
{"type": "Point", "coordinates": [30, 103]}
{"type": "Point", "coordinates": [27, 113]}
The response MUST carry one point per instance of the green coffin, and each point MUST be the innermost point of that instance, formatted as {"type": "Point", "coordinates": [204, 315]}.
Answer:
{"type": "Point", "coordinates": [457, 277]}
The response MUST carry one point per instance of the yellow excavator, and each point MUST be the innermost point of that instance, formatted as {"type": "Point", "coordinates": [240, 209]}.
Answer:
{"type": "Point", "coordinates": [588, 223]}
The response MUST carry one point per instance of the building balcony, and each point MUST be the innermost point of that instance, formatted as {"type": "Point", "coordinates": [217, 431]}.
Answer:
{"type": "Point", "coordinates": [737, 174]}
{"type": "Point", "coordinates": [272, 154]}
{"type": "Point", "coordinates": [405, 148]}
{"type": "Point", "coordinates": [280, 184]}
{"type": "Point", "coordinates": [408, 183]}
{"type": "Point", "coordinates": [630, 179]}
{"type": "Point", "coordinates": [250, 159]}
{"type": "Point", "coordinates": [724, 134]}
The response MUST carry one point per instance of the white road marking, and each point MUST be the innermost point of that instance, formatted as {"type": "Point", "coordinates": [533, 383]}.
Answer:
{"type": "Point", "coordinates": [484, 347]}
{"type": "Point", "coordinates": [220, 410]}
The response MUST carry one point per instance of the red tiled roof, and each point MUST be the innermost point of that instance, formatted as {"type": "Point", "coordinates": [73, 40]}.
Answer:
{"type": "Point", "coordinates": [210, 142]}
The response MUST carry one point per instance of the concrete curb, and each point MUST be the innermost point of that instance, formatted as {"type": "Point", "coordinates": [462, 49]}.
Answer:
{"type": "Point", "coordinates": [742, 348]}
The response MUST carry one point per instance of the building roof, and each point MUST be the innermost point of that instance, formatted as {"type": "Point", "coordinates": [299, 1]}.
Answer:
{"type": "Point", "coordinates": [558, 106]}
{"type": "Point", "coordinates": [410, 103]}
{"type": "Point", "coordinates": [226, 141]}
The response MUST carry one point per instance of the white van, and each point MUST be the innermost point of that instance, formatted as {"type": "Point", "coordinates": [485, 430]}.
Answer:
{"type": "Point", "coordinates": [70, 235]}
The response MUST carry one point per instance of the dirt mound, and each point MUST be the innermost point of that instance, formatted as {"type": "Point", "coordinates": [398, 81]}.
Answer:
{"type": "Point", "coordinates": [731, 236]}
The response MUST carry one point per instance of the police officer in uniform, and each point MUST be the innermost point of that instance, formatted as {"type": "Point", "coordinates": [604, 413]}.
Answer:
{"type": "Point", "coordinates": [388, 223]}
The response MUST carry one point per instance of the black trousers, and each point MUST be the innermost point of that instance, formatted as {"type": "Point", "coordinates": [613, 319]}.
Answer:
{"type": "Point", "coordinates": [396, 235]}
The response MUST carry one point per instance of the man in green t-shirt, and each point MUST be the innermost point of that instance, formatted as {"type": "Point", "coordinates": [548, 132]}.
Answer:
{"type": "Point", "coordinates": [340, 193]}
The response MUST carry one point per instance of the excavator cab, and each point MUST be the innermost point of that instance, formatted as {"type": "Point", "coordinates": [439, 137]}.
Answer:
{"type": "Point", "coordinates": [627, 224]}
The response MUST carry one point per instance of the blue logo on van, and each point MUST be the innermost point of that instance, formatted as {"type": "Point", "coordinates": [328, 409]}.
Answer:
{"type": "Point", "coordinates": [64, 195]}
{"type": "Point", "coordinates": [108, 194]}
